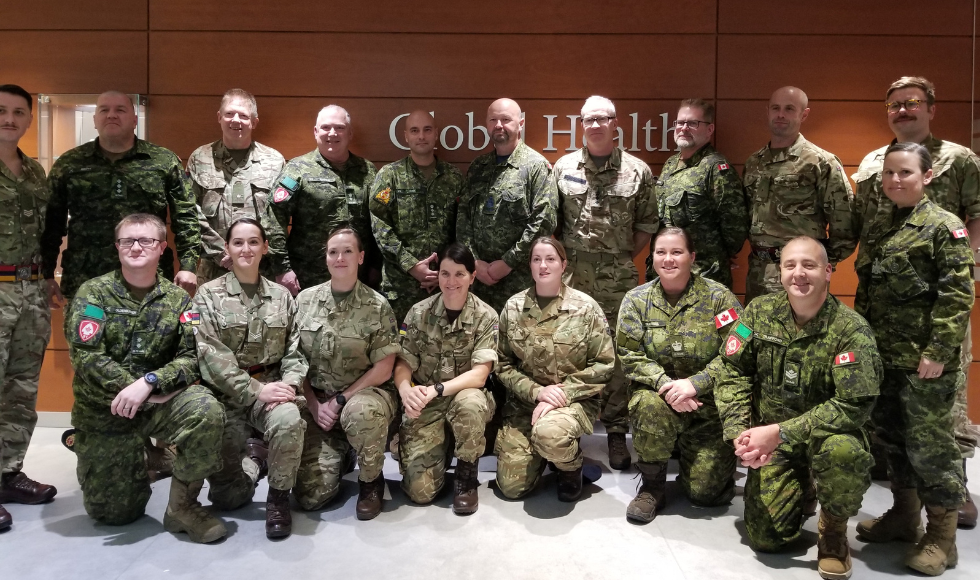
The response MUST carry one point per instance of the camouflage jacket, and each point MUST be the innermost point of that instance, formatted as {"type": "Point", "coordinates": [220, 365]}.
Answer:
{"type": "Point", "coordinates": [704, 196]}
{"type": "Point", "coordinates": [225, 192]}
{"type": "Point", "coordinates": [237, 333]}
{"type": "Point", "coordinates": [820, 380]}
{"type": "Point", "coordinates": [319, 198]}
{"type": "Point", "coordinates": [412, 217]}
{"type": "Point", "coordinates": [567, 343]}
{"type": "Point", "coordinates": [340, 342]}
{"type": "Point", "coordinates": [114, 339]}
{"type": "Point", "coordinates": [23, 202]}
{"type": "Point", "coordinates": [98, 193]}
{"type": "Point", "coordinates": [507, 206]}
{"type": "Point", "coordinates": [917, 290]}
{"type": "Point", "coordinates": [955, 186]}
{"type": "Point", "coordinates": [658, 343]}
{"type": "Point", "coordinates": [800, 191]}
{"type": "Point", "coordinates": [600, 209]}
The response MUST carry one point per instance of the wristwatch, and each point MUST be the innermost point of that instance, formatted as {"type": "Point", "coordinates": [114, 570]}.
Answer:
{"type": "Point", "coordinates": [439, 388]}
{"type": "Point", "coordinates": [154, 382]}
{"type": "Point", "coordinates": [782, 435]}
{"type": "Point", "coordinates": [341, 399]}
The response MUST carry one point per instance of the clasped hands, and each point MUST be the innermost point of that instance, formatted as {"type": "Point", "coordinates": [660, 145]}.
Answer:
{"type": "Point", "coordinates": [493, 272]}
{"type": "Point", "coordinates": [681, 395]}
{"type": "Point", "coordinates": [415, 398]}
{"type": "Point", "coordinates": [549, 399]}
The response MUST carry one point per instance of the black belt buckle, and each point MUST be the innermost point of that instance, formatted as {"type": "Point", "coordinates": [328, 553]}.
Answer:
{"type": "Point", "coordinates": [23, 273]}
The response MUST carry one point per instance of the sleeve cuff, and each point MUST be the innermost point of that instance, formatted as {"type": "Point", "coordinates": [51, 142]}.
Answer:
{"type": "Point", "coordinates": [485, 355]}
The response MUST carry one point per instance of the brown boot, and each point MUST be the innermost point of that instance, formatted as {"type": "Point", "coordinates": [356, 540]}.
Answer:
{"type": "Point", "coordinates": [967, 516]}
{"type": "Point", "coordinates": [936, 551]}
{"type": "Point", "coordinates": [185, 514]}
{"type": "Point", "coordinates": [5, 519]}
{"type": "Point", "coordinates": [159, 461]}
{"type": "Point", "coordinates": [903, 521]}
{"type": "Point", "coordinates": [833, 553]}
{"type": "Point", "coordinates": [466, 498]}
{"type": "Point", "coordinates": [370, 498]}
{"type": "Point", "coordinates": [258, 451]}
{"type": "Point", "coordinates": [278, 517]}
{"type": "Point", "coordinates": [619, 454]}
{"type": "Point", "coordinates": [650, 494]}
{"type": "Point", "coordinates": [18, 488]}
{"type": "Point", "coordinates": [570, 485]}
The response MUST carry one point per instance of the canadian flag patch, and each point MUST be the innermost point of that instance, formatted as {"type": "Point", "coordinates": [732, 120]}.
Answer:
{"type": "Point", "coordinates": [87, 330]}
{"type": "Point", "coordinates": [280, 194]}
{"type": "Point", "coordinates": [732, 345]}
{"type": "Point", "coordinates": [845, 358]}
{"type": "Point", "coordinates": [726, 318]}
{"type": "Point", "coordinates": [191, 316]}
{"type": "Point", "coordinates": [960, 233]}
{"type": "Point", "coordinates": [722, 166]}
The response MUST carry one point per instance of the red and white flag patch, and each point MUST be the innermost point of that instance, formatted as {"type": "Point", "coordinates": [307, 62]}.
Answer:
{"type": "Point", "coordinates": [280, 194]}
{"type": "Point", "coordinates": [960, 233]}
{"type": "Point", "coordinates": [87, 330]}
{"type": "Point", "coordinates": [845, 358]}
{"type": "Point", "coordinates": [722, 166]}
{"type": "Point", "coordinates": [725, 318]}
{"type": "Point", "coordinates": [732, 345]}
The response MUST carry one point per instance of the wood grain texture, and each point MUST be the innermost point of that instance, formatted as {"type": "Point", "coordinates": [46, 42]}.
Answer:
{"type": "Point", "coordinates": [54, 392]}
{"type": "Point", "coordinates": [74, 15]}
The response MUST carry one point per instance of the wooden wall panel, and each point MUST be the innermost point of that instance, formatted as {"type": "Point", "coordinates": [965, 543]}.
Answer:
{"type": "Point", "coordinates": [74, 15]}
{"type": "Point", "coordinates": [54, 393]}
{"type": "Point", "coordinates": [973, 392]}
{"type": "Point", "coordinates": [503, 16]}
{"type": "Point", "coordinates": [444, 65]}
{"type": "Point", "coordinates": [840, 67]}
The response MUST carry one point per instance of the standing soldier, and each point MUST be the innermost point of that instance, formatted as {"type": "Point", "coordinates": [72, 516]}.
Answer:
{"type": "Point", "coordinates": [700, 191]}
{"type": "Point", "coordinates": [413, 215]}
{"type": "Point", "coordinates": [25, 321]}
{"type": "Point", "coordinates": [955, 186]}
{"type": "Point", "coordinates": [321, 191]}
{"type": "Point", "coordinates": [794, 188]}
{"type": "Point", "coordinates": [233, 178]}
{"type": "Point", "coordinates": [508, 203]}
{"type": "Point", "coordinates": [608, 215]}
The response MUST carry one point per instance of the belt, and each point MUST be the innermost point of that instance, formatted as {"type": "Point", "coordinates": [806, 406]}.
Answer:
{"type": "Point", "coordinates": [260, 369]}
{"type": "Point", "coordinates": [28, 272]}
{"type": "Point", "coordinates": [771, 254]}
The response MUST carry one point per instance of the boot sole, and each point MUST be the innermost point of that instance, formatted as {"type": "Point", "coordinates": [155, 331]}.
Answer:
{"type": "Point", "coordinates": [951, 561]}
{"type": "Point", "coordinates": [175, 527]}
{"type": "Point", "coordinates": [912, 538]}
{"type": "Point", "coordinates": [465, 511]}
{"type": "Point", "coordinates": [35, 501]}
{"type": "Point", "coordinates": [275, 534]}
{"type": "Point", "coordinates": [367, 516]}
{"type": "Point", "coordinates": [634, 517]}
{"type": "Point", "coordinates": [833, 575]}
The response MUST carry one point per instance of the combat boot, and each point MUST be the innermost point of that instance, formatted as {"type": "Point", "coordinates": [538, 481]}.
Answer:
{"type": "Point", "coordinates": [185, 514]}
{"type": "Point", "coordinates": [159, 461]}
{"type": "Point", "coordinates": [619, 454]}
{"type": "Point", "coordinates": [370, 498]}
{"type": "Point", "coordinates": [903, 521]}
{"type": "Point", "coordinates": [258, 452]}
{"type": "Point", "coordinates": [936, 551]}
{"type": "Point", "coordinates": [278, 517]}
{"type": "Point", "coordinates": [466, 498]}
{"type": "Point", "coordinates": [570, 485]}
{"type": "Point", "coordinates": [833, 553]}
{"type": "Point", "coordinates": [5, 519]}
{"type": "Point", "coordinates": [18, 488]}
{"type": "Point", "coordinates": [650, 495]}
{"type": "Point", "coordinates": [967, 517]}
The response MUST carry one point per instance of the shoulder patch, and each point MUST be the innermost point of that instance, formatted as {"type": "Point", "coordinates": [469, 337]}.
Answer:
{"type": "Point", "coordinates": [845, 358]}
{"type": "Point", "coordinates": [93, 311]}
{"type": "Point", "coordinates": [725, 318]}
{"type": "Point", "coordinates": [281, 194]}
{"type": "Point", "coordinates": [960, 233]}
{"type": "Point", "coordinates": [722, 166]}
{"type": "Point", "coordinates": [191, 317]}
{"type": "Point", "coordinates": [403, 330]}
{"type": "Point", "coordinates": [743, 331]}
{"type": "Point", "coordinates": [289, 183]}
{"type": "Point", "coordinates": [384, 196]}
{"type": "Point", "coordinates": [88, 330]}
{"type": "Point", "coordinates": [732, 345]}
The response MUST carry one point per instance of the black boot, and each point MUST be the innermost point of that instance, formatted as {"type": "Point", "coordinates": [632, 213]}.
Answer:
{"type": "Point", "coordinates": [278, 517]}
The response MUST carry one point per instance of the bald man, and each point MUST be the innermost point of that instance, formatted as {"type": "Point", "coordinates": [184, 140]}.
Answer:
{"type": "Point", "coordinates": [794, 188]}
{"type": "Point", "coordinates": [413, 214]}
{"type": "Point", "coordinates": [319, 191]}
{"type": "Point", "coordinates": [509, 201]}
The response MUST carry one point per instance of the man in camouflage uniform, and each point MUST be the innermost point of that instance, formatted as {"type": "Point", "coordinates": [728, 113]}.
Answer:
{"type": "Point", "coordinates": [800, 379]}
{"type": "Point", "coordinates": [233, 178]}
{"type": "Point", "coordinates": [509, 202]}
{"type": "Point", "coordinates": [321, 190]}
{"type": "Point", "coordinates": [413, 215]}
{"type": "Point", "coordinates": [100, 182]}
{"type": "Point", "coordinates": [794, 188]}
{"type": "Point", "coordinates": [608, 216]}
{"type": "Point", "coordinates": [25, 321]}
{"type": "Point", "coordinates": [698, 190]}
{"type": "Point", "coordinates": [131, 343]}
{"type": "Point", "coordinates": [955, 186]}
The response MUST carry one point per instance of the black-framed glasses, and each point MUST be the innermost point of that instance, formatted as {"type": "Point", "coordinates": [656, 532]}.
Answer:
{"type": "Point", "coordinates": [910, 105]}
{"type": "Point", "coordinates": [602, 120]}
{"type": "Point", "coordinates": [144, 242]}
{"type": "Point", "coordinates": [692, 124]}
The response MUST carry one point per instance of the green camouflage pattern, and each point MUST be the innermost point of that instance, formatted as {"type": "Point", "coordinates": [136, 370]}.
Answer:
{"type": "Point", "coordinates": [411, 218]}
{"type": "Point", "coordinates": [23, 204]}
{"type": "Point", "coordinates": [98, 193]}
{"type": "Point", "coordinates": [319, 197]}
{"type": "Point", "coordinates": [704, 195]}
{"type": "Point", "coordinates": [504, 208]}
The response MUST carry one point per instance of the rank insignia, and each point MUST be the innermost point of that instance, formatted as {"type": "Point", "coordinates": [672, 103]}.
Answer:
{"type": "Point", "coordinates": [384, 196]}
{"type": "Point", "coordinates": [677, 346]}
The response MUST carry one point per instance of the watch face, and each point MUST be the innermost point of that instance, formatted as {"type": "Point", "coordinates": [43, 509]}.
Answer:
{"type": "Point", "coordinates": [151, 378]}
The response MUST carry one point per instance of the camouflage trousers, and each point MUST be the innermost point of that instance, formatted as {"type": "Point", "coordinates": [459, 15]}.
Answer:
{"type": "Point", "coordinates": [498, 294]}
{"type": "Point", "coordinates": [707, 464]}
{"type": "Point", "coordinates": [25, 328]}
{"type": "Point", "coordinates": [283, 429]}
{"type": "Point", "coordinates": [422, 442]}
{"type": "Point", "coordinates": [207, 270]}
{"type": "Point", "coordinates": [762, 278]}
{"type": "Point", "coordinates": [112, 468]}
{"type": "Point", "coordinates": [913, 419]}
{"type": "Point", "coordinates": [606, 278]}
{"type": "Point", "coordinates": [522, 450]}
{"type": "Point", "coordinates": [965, 433]}
{"type": "Point", "coordinates": [363, 425]}
{"type": "Point", "coordinates": [774, 494]}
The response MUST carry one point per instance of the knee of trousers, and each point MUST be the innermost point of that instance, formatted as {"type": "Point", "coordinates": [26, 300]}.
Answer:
{"type": "Point", "coordinates": [314, 497]}
{"type": "Point", "coordinates": [366, 412]}
{"type": "Point", "coordinates": [842, 453]}
{"type": "Point", "coordinates": [422, 486]}
{"type": "Point", "coordinates": [285, 421]}
{"type": "Point", "coordinates": [514, 487]}
{"type": "Point", "coordinates": [232, 491]}
{"type": "Point", "coordinates": [116, 513]}
{"type": "Point", "coordinates": [649, 413]}
{"type": "Point", "coordinates": [555, 440]}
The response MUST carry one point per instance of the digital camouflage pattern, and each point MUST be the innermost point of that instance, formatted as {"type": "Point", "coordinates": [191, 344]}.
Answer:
{"type": "Point", "coordinates": [98, 193]}
{"type": "Point", "coordinates": [819, 383]}
{"type": "Point", "coordinates": [411, 218]}
{"type": "Point", "coordinates": [505, 207]}
{"type": "Point", "coordinates": [237, 333]}
{"type": "Point", "coordinates": [658, 343]}
{"type": "Point", "coordinates": [225, 191]}
{"type": "Point", "coordinates": [438, 351]}
{"type": "Point", "coordinates": [319, 198]}
{"type": "Point", "coordinates": [704, 195]}
{"type": "Point", "coordinates": [25, 320]}
{"type": "Point", "coordinates": [568, 343]}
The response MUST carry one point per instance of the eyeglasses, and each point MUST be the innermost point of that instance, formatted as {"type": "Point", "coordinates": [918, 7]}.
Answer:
{"type": "Point", "coordinates": [588, 121]}
{"type": "Point", "coordinates": [691, 124]}
{"type": "Point", "coordinates": [144, 242]}
{"type": "Point", "coordinates": [910, 105]}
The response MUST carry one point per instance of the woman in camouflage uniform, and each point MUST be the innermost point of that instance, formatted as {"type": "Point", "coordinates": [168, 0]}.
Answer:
{"type": "Point", "coordinates": [448, 350]}
{"type": "Point", "coordinates": [917, 294]}
{"type": "Point", "coordinates": [668, 336]}
{"type": "Point", "coordinates": [246, 328]}
{"type": "Point", "coordinates": [555, 357]}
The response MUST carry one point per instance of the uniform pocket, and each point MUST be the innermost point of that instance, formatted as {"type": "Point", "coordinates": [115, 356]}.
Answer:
{"type": "Point", "coordinates": [901, 278]}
